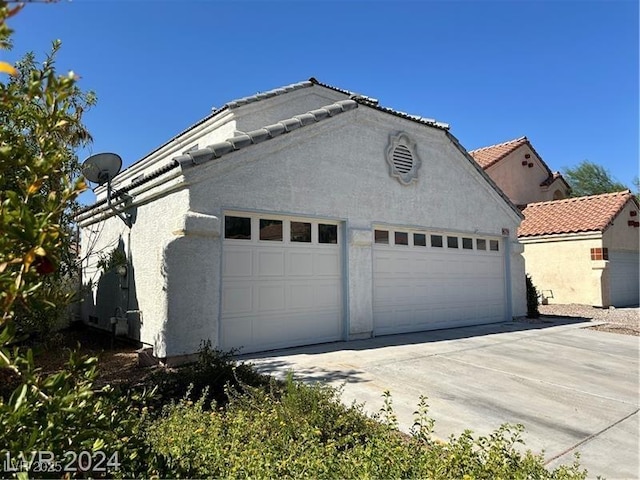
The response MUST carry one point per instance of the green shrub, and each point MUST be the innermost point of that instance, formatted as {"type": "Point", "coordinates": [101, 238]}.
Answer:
{"type": "Point", "coordinates": [304, 431]}
{"type": "Point", "coordinates": [532, 299]}
{"type": "Point", "coordinates": [215, 374]}
{"type": "Point", "coordinates": [64, 412]}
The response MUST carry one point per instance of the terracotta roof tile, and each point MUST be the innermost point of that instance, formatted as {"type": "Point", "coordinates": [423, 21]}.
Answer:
{"type": "Point", "coordinates": [573, 215]}
{"type": "Point", "coordinates": [487, 156]}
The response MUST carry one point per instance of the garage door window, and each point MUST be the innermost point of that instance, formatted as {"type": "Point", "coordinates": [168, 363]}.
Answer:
{"type": "Point", "coordinates": [481, 244]}
{"type": "Point", "coordinates": [436, 240]}
{"type": "Point", "coordinates": [381, 236]}
{"type": "Point", "coordinates": [402, 238]}
{"type": "Point", "coordinates": [271, 230]}
{"type": "Point", "coordinates": [494, 245]}
{"type": "Point", "coordinates": [301, 232]}
{"type": "Point", "coordinates": [419, 239]}
{"type": "Point", "coordinates": [327, 233]}
{"type": "Point", "coordinates": [467, 243]}
{"type": "Point", "coordinates": [452, 242]}
{"type": "Point", "coordinates": [237, 228]}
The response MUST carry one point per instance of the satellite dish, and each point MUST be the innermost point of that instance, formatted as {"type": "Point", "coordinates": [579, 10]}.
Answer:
{"type": "Point", "coordinates": [101, 167]}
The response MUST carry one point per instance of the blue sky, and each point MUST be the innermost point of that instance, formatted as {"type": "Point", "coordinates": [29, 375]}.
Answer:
{"type": "Point", "coordinates": [563, 73]}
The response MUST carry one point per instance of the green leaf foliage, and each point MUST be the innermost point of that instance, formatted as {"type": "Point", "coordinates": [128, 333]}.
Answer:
{"type": "Point", "coordinates": [589, 178]}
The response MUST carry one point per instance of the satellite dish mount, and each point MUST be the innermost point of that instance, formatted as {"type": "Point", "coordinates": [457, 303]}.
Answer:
{"type": "Point", "coordinates": [101, 168]}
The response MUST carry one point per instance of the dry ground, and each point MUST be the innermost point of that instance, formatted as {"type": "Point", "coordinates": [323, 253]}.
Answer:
{"type": "Point", "coordinates": [625, 321]}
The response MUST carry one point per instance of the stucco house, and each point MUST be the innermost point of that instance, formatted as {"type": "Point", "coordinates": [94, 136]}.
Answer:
{"type": "Point", "coordinates": [584, 249]}
{"type": "Point", "coordinates": [556, 231]}
{"type": "Point", "coordinates": [302, 215]}
{"type": "Point", "coordinates": [520, 172]}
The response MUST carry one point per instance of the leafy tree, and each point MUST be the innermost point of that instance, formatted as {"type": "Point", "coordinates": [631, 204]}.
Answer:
{"type": "Point", "coordinates": [589, 178]}
{"type": "Point", "coordinates": [40, 128]}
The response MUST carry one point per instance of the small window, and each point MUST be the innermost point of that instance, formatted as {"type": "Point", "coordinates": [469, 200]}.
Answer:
{"type": "Point", "coordinates": [237, 228]}
{"type": "Point", "coordinates": [327, 233]}
{"type": "Point", "coordinates": [402, 238]}
{"type": "Point", "coordinates": [481, 244]}
{"type": "Point", "coordinates": [270, 230]}
{"type": "Point", "coordinates": [419, 239]}
{"type": "Point", "coordinates": [467, 244]}
{"type": "Point", "coordinates": [381, 236]}
{"type": "Point", "coordinates": [436, 240]}
{"type": "Point", "coordinates": [493, 245]}
{"type": "Point", "coordinates": [301, 232]}
{"type": "Point", "coordinates": [452, 242]}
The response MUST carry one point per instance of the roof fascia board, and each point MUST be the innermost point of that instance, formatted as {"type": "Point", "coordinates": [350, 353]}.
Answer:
{"type": "Point", "coordinates": [169, 148]}
{"type": "Point", "coordinates": [561, 237]}
{"type": "Point", "coordinates": [229, 106]}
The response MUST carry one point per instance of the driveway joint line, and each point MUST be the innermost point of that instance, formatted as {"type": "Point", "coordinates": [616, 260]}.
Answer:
{"type": "Point", "coordinates": [557, 385]}
{"type": "Point", "coordinates": [590, 437]}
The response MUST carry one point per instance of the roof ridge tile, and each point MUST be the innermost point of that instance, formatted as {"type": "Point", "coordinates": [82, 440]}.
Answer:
{"type": "Point", "coordinates": [217, 150]}
{"type": "Point", "coordinates": [519, 139]}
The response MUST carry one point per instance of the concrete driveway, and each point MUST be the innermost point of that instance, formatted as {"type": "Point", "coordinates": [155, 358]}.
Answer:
{"type": "Point", "coordinates": [573, 388]}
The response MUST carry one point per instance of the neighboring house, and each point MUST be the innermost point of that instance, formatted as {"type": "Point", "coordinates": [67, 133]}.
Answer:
{"type": "Point", "coordinates": [520, 172]}
{"type": "Point", "coordinates": [303, 215]}
{"type": "Point", "coordinates": [584, 249]}
{"type": "Point", "coordinates": [556, 232]}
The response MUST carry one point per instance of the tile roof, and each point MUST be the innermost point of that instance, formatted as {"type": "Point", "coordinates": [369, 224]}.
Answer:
{"type": "Point", "coordinates": [573, 215]}
{"type": "Point", "coordinates": [232, 144]}
{"type": "Point", "coordinates": [230, 106]}
{"type": "Point", "coordinates": [373, 103]}
{"type": "Point", "coordinates": [487, 156]}
{"type": "Point", "coordinates": [552, 178]}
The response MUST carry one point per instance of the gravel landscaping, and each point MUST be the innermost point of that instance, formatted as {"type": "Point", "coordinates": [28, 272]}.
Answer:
{"type": "Point", "coordinates": [616, 320]}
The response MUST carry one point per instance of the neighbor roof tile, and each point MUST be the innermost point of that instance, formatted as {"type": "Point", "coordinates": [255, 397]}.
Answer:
{"type": "Point", "coordinates": [573, 215]}
{"type": "Point", "coordinates": [487, 156]}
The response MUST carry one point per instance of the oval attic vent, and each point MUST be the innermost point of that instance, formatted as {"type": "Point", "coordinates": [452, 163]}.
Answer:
{"type": "Point", "coordinates": [402, 158]}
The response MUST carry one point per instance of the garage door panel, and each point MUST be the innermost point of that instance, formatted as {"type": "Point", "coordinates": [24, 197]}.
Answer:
{"type": "Point", "coordinates": [237, 299]}
{"type": "Point", "coordinates": [237, 263]}
{"type": "Point", "coordinates": [271, 297]}
{"type": "Point", "coordinates": [327, 295]}
{"type": "Point", "coordinates": [421, 288]}
{"type": "Point", "coordinates": [270, 263]}
{"type": "Point", "coordinates": [278, 294]}
{"type": "Point", "coordinates": [624, 273]}
{"type": "Point", "coordinates": [327, 264]}
{"type": "Point", "coordinates": [300, 263]}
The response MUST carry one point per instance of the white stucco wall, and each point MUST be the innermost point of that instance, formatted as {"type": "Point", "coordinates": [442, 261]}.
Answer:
{"type": "Point", "coordinates": [521, 183]}
{"type": "Point", "coordinates": [156, 224]}
{"type": "Point", "coordinates": [337, 170]}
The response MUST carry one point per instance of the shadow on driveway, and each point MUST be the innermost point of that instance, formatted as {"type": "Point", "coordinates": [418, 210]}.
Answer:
{"type": "Point", "coordinates": [277, 362]}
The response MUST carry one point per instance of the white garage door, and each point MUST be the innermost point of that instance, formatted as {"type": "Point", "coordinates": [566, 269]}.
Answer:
{"type": "Point", "coordinates": [425, 280]}
{"type": "Point", "coordinates": [281, 282]}
{"type": "Point", "coordinates": [623, 278]}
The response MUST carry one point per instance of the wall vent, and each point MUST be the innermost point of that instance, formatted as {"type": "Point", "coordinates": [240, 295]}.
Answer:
{"type": "Point", "coordinates": [402, 158]}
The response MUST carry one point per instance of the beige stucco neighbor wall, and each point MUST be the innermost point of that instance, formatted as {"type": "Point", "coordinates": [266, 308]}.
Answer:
{"type": "Point", "coordinates": [521, 183]}
{"type": "Point", "coordinates": [621, 236]}
{"type": "Point", "coordinates": [563, 265]}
